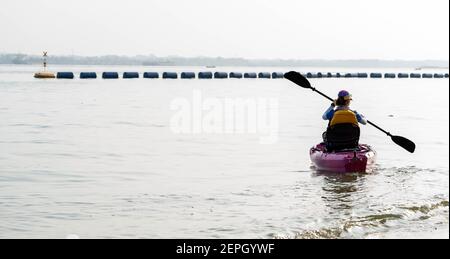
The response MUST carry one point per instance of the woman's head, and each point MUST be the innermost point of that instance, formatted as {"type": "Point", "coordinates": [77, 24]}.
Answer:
{"type": "Point", "coordinates": [344, 98]}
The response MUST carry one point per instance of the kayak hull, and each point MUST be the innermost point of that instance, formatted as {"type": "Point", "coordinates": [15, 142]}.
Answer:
{"type": "Point", "coordinates": [360, 160]}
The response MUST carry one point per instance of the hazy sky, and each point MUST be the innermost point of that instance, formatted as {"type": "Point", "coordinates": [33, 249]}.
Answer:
{"type": "Point", "coordinates": [299, 29]}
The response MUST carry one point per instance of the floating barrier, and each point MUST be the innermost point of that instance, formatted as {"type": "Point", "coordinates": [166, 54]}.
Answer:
{"type": "Point", "coordinates": [376, 75]}
{"type": "Point", "coordinates": [390, 75]}
{"type": "Point", "coordinates": [277, 75]}
{"type": "Point", "coordinates": [363, 75]}
{"type": "Point", "coordinates": [236, 75]}
{"type": "Point", "coordinates": [335, 75]}
{"type": "Point", "coordinates": [351, 75]}
{"type": "Point", "coordinates": [170, 75]}
{"type": "Point", "coordinates": [220, 75]}
{"type": "Point", "coordinates": [88, 75]}
{"type": "Point", "coordinates": [205, 75]}
{"type": "Point", "coordinates": [151, 75]}
{"type": "Point", "coordinates": [130, 75]}
{"type": "Point", "coordinates": [110, 75]}
{"type": "Point", "coordinates": [188, 75]}
{"type": "Point", "coordinates": [311, 75]}
{"type": "Point", "coordinates": [250, 75]}
{"type": "Point", "coordinates": [264, 75]}
{"type": "Point", "coordinates": [65, 75]}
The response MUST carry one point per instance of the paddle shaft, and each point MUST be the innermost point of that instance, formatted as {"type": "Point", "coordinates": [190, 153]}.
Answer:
{"type": "Point", "coordinates": [369, 122]}
{"type": "Point", "coordinates": [324, 95]}
{"type": "Point", "coordinates": [373, 124]}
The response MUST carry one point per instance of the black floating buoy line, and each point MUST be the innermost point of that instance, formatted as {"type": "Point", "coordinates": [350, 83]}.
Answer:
{"type": "Point", "coordinates": [233, 75]}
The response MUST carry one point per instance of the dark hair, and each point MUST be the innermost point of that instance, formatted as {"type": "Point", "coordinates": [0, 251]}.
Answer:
{"type": "Point", "coordinates": [342, 102]}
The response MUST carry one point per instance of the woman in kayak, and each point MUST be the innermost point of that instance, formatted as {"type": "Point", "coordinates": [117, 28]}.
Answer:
{"type": "Point", "coordinates": [343, 128]}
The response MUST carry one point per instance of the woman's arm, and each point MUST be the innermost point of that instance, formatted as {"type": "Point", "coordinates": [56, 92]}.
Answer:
{"type": "Point", "coordinates": [328, 115]}
{"type": "Point", "coordinates": [361, 118]}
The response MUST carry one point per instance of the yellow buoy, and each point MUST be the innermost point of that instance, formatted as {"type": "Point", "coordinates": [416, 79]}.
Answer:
{"type": "Point", "coordinates": [44, 74]}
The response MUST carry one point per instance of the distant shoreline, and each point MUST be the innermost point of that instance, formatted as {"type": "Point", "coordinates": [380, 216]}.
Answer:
{"type": "Point", "coordinates": [151, 60]}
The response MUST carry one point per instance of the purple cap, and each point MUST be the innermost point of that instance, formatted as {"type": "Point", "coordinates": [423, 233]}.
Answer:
{"type": "Point", "coordinates": [345, 94]}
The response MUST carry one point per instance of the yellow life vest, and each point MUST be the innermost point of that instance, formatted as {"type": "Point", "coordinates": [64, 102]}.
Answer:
{"type": "Point", "coordinates": [344, 116]}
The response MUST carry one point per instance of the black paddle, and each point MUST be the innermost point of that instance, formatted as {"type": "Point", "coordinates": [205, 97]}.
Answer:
{"type": "Point", "coordinates": [300, 80]}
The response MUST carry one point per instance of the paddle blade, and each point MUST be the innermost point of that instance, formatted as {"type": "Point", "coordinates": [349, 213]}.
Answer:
{"type": "Point", "coordinates": [404, 143]}
{"type": "Point", "coordinates": [298, 79]}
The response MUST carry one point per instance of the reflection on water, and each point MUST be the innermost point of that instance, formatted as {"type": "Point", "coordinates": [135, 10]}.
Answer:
{"type": "Point", "coordinates": [339, 190]}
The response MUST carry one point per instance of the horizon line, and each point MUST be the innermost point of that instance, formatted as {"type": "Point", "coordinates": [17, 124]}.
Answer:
{"type": "Point", "coordinates": [223, 57]}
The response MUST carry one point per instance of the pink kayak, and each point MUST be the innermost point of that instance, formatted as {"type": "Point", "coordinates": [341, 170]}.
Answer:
{"type": "Point", "coordinates": [347, 161]}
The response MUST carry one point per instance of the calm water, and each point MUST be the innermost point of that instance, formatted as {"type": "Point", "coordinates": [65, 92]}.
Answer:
{"type": "Point", "coordinates": [98, 159]}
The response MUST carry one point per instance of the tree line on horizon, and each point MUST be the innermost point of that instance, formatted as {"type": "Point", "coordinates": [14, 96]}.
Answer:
{"type": "Point", "coordinates": [151, 60]}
